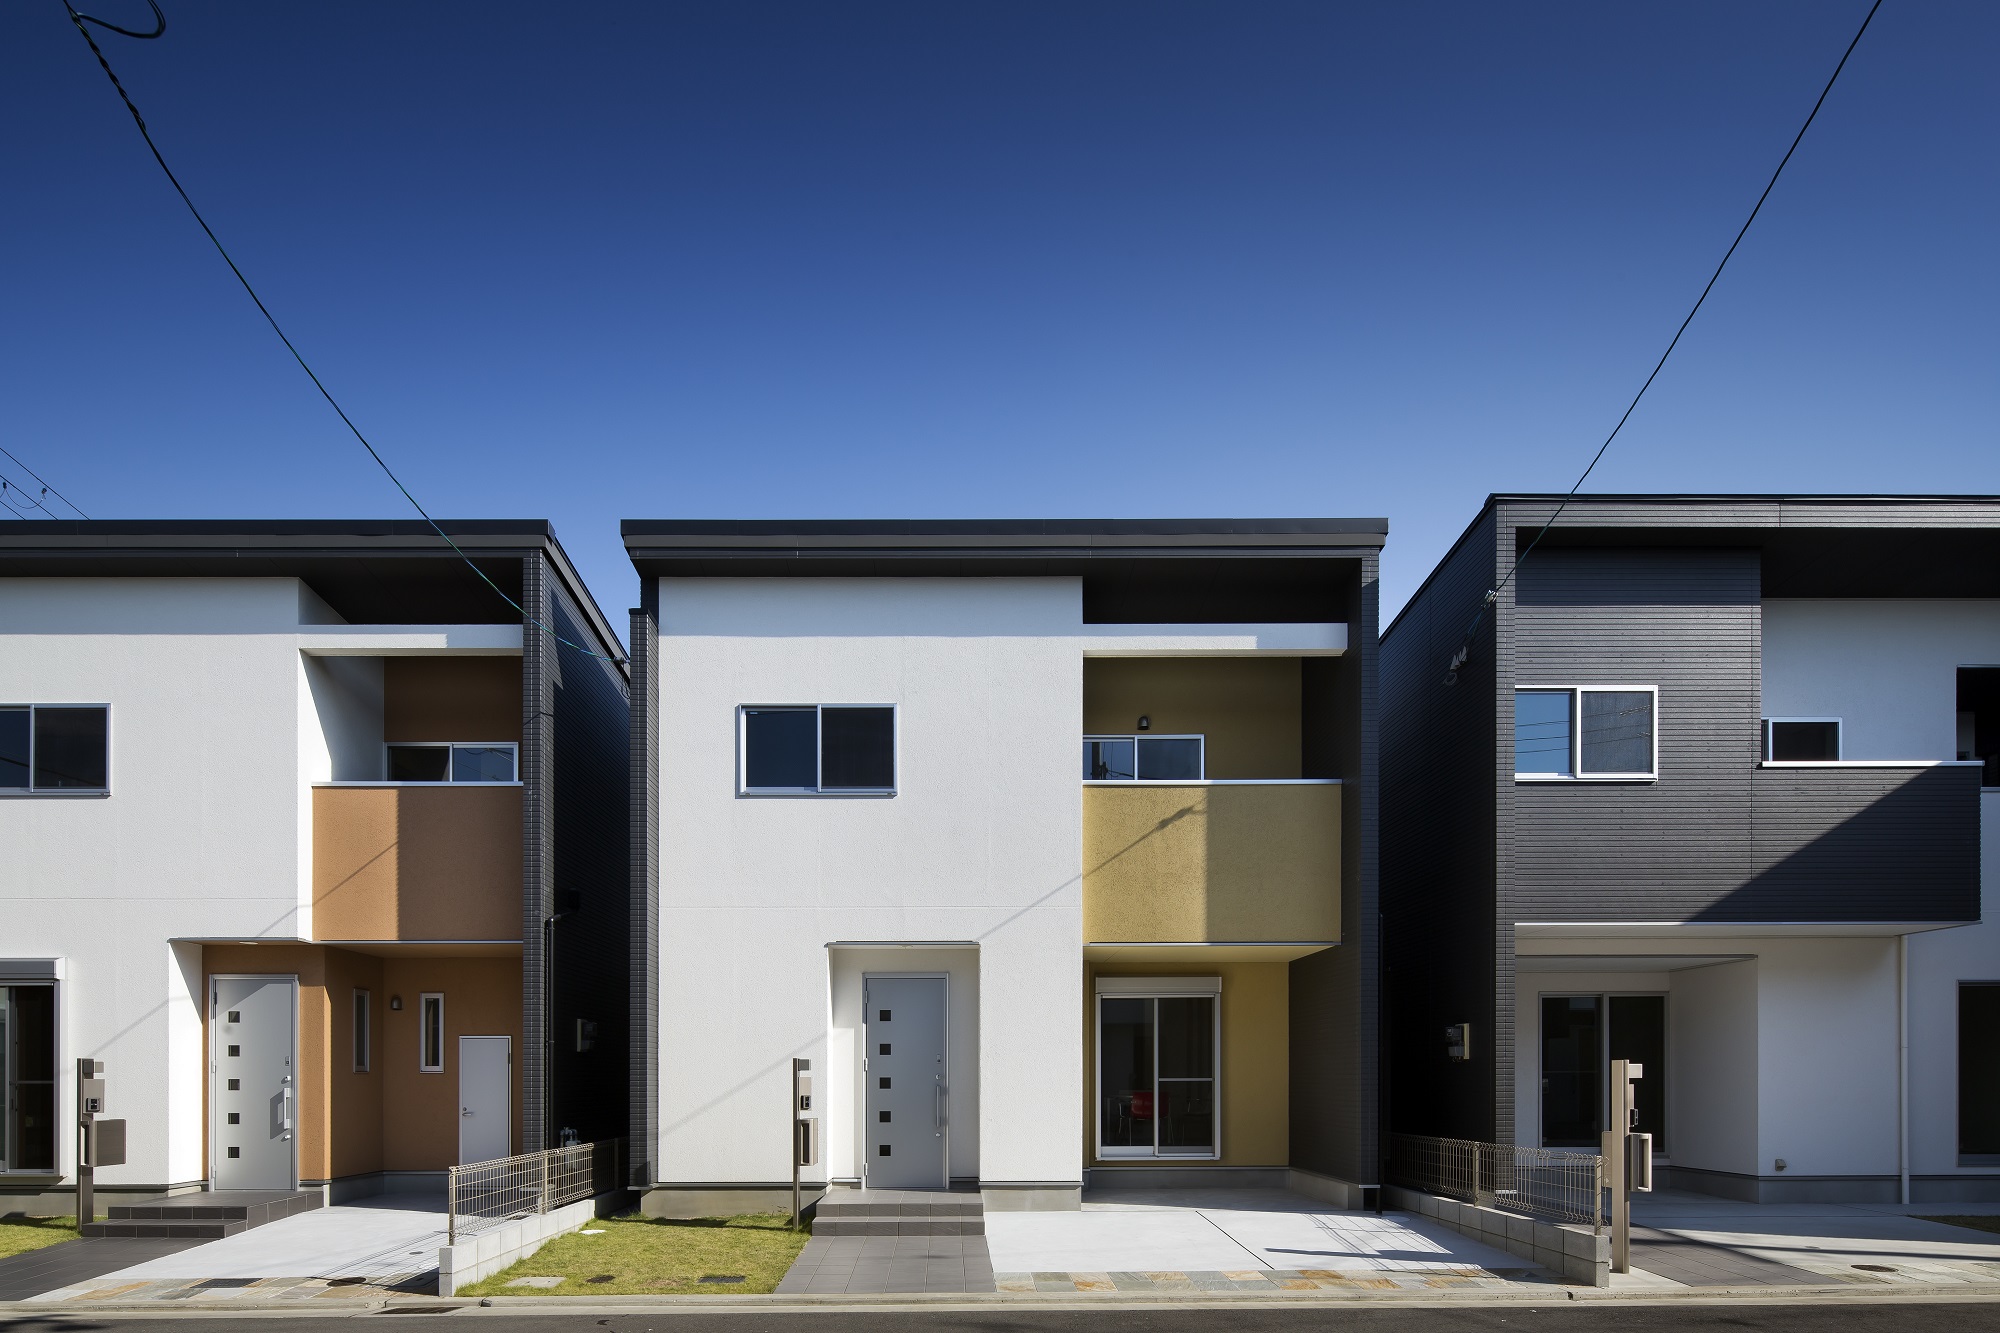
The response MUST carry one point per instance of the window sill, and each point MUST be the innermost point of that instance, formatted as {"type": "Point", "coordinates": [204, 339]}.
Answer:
{"type": "Point", "coordinates": [17, 794]}
{"type": "Point", "coordinates": [1629, 778]}
{"type": "Point", "coordinates": [1212, 782]}
{"type": "Point", "coordinates": [1869, 763]}
{"type": "Point", "coordinates": [762, 794]}
{"type": "Point", "coordinates": [318, 785]}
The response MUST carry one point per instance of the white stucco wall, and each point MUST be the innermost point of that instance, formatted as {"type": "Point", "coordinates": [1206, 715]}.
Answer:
{"type": "Point", "coordinates": [202, 835]}
{"type": "Point", "coordinates": [1887, 668]}
{"type": "Point", "coordinates": [1712, 1055]}
{"type": "Point", "coordinates": [981, 845]}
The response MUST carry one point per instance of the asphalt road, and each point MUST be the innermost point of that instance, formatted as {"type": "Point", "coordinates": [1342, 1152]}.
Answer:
{"type": "Point", "coordinates": [1842, 1316]}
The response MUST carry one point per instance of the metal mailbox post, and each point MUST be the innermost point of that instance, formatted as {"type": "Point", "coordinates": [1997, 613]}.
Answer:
{"type": "Point", "coordinates": [98, 1142]}
{"type": "Point", "coordinates": [805, 1129]}
{"type": "Point", "coordinates": [1628, 1161]}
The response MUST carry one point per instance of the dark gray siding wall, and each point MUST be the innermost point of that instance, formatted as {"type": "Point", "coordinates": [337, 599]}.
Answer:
{"type": "Point", "coordinates": [589, 717]}
{"type": "Point", "coordinates": [538, 672]}
{"type": "Point", "coordinates": [643, 907]}
{"type": "Point", "coordinates": [1688, 622]}
{"type": "Point", "coordinates": [1335, 994]}
{"type": "Point", "coordinates": [1438, 850]}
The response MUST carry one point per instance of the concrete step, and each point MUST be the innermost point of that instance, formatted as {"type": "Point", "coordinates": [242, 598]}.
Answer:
{"type": "Point", "coordinates": [824, 1225]}
{"type": "Point", "coordinates": [203, 1215]}
{"type": "Point", "coordinates": [908, 1205]}
{"type": "Point", "coordinates": [155, 1230]}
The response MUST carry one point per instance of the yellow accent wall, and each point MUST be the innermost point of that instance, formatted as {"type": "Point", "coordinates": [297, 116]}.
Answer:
{"type": "Point", "coordinates": [1213, 864]}
{"type": "Point", "coordinates": [417, 863]}
{"type": "Point", "coordinates": [1256, 1059]}
{"type": "Point", "coordinates": [1248, 707]}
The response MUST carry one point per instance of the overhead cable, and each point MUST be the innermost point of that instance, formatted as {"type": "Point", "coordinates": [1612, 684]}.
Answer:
{"type": "Point", "coordinates": [1458, 658]}
{"type": "Point", "coordinates": [80, 19]}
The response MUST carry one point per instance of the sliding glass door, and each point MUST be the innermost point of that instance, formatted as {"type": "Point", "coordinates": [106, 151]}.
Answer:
{"type": "Point", "coordinates": [1156, 1075]}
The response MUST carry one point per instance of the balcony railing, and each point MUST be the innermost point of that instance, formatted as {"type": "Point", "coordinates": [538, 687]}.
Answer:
{"type": "Point", "coordinates": [1212, 862]}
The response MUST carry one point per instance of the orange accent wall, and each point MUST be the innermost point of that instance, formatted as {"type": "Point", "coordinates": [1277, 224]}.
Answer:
{"type": "Point", "coordinates": [392, 1117]}
{"type": "Point", "coordinates": [451, 699]}
{"type": "Point", "coordinates": [417, 863]}
{"type": "Point", "coordinates": [482, 998]}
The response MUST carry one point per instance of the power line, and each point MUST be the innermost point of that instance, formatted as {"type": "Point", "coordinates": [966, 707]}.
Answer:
{"type": "Point", "coordinates": [46, 488]}
{"type": "Point", "coordinates": [80, 19]}
{"type": "Point", "coordinates": [1451, 672]}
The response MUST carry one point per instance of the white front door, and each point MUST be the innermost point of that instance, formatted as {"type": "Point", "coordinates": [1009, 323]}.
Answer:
{"type": "Point", "coordinates": [906, 1093]}
{"type": "Point", "coordinates": [485, 1098]}
{"type": "Point", "coordinates": [254, 1090]}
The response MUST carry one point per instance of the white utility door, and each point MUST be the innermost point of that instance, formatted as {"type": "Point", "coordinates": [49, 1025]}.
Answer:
{"type": "Point", "coordinates": [905, 1091]}
{"type": "Point", "coordinates": [485, 1098]}
{"type": "Point", "coordinates": [254, 1090]}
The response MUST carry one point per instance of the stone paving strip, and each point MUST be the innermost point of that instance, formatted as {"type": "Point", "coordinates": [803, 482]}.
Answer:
{"type": "Point", "coordinates": [1274, 1280]}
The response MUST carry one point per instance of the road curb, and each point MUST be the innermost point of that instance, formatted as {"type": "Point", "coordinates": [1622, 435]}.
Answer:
{"type": "Point", "coordinates": [502, 1306]}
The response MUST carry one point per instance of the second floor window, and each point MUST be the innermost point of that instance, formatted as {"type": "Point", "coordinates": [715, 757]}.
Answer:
{"type": "Point", "coordinates": [1802, 740]}
{"type": "Point", "coordinates": [1585, 732]}
{"type": "Point", "coordinates": [55, 748]}
{"type": "Point", "coordinates": [1144, 758]}
{"type": "Point", "coordinates": [456, 762]}
{"type": "Point", "coordinates": [818, 749]}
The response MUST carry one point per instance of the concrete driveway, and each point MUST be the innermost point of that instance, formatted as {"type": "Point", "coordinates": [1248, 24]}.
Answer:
{"type": "Point", "coordinates": [1848, 1242]}
{"type": "Point", "coordinates": [1222, 1232]}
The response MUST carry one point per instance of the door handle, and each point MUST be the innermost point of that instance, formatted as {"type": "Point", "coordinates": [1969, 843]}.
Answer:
{"type": "Point", "coordinates": [285, 1114]}
{"type": "Point", "coordinates": [465, 1110]}
{"type": "Point", "coordinates": [940, 1108]}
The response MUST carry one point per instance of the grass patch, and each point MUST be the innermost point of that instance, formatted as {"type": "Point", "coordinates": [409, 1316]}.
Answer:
{"type": "Point", "coordinates": [18, 1235]}
{"type": "Point", "coordinates": [652, 1256]}
{"type": "Point", "coordinates": [1971, 1222]}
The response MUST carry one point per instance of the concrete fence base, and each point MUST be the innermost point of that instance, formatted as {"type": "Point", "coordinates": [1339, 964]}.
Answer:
{"type": "Point", "coordinates": [1576, 1252]}
{"type": "Point", "coordinates": [483, 1255]}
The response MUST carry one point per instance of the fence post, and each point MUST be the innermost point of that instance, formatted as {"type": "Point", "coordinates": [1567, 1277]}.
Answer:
{"type": "Point", "coordinates": [543, 1157]}
{"type": "Point", "coordinates": [1597, 1196]}
{"type": "Point", "coordinates": [1479, 1175]}
{"type": "Point", "coordinates": [451, 1205]}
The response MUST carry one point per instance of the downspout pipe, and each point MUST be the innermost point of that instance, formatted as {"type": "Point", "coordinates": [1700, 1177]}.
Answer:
{"type": "Point", "coordinates": [1903, 1068]}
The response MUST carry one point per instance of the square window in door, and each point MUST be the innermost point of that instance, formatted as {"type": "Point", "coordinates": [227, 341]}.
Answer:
{"type": "Point", "coordinates": [883, 1049]}
{"type": "Point", "coordinates": [235, 1118]}
{"type": "Point", "coordinates": [883, 1116]}
{"type": "Point", "coordinates": [885, 1015]}
{"type": "Point", "coordinates": [235, 1152]}
{"type": "Point", "coordinates": [881, 1150]}
{"type": "Point", "coordinates": [882, 1082]}
{"type": "Point", "coordinates": [236, 1015]}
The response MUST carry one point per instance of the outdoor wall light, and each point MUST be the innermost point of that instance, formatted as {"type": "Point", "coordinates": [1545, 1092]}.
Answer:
{"type": "Point", "coordinates": [1779, 1163]}
{"type": "Point", "coordinates": [395, 1002]}
{"type": "Point", "coordinates": [1145, 724]}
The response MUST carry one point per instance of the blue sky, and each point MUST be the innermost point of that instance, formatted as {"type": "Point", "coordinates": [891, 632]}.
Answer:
{"type": "Point", "coordinates": [976, 259]}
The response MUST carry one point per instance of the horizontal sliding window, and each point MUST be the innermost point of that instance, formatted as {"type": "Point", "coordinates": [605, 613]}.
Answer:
{"type": "Point", "coordinates": [55, 748]}
{"type": "Point", "coordinates": [1802, 740]}
{"type": "Point", "coordinates": [1585, 732]}
{"type": "Point", "coordinates": [453, 762]}
{"type": "Point", "coordinates": [1143, 758]}
{"type": "Point", "coordinates": [818, 749]}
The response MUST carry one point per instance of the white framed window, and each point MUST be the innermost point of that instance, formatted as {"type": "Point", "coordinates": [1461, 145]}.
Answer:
{"type": "Point", "coordinates": [28, 1035]}
{"type": "Point", "coordinates": [430, 1033]}
{"type": "Point", "coordinates": [55, 749]}
{"type": "Point", "coordinates": [816, 750]}
{"type": "Point", "coordinates": [1587, 733]}
{"type": "Point", "coordinates": [1801, 740]}
{"type": "Point", "coordinates": [1159, 1066]}
{"type": "Point", "coordinates": [1145, 758]}
{"type": "Point", "coordinates": [453, 761]}
{"type": "Point", "coordinates": [363, 1037]}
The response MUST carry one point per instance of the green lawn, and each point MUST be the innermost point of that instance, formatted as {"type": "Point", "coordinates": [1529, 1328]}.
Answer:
{"type": "Point", "coordinates": [646, 1256]}
{"type": "Point", "coordinates": [1976, 1223]}
{"type": "Point", "coordinates": [20, 1234]}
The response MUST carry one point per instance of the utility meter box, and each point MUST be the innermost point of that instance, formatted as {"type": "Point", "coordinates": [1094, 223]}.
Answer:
{"type": "Point", "coordinates": [807, 1135]}
{"type": "Point", "coordinates": [1458, 1041]}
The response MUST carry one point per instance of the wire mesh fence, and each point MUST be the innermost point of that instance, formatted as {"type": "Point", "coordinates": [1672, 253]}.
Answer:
{"type": "Point", "coordinates": [1543, 1183]}
{"type": "Point", "coordinates": [484, 1194]}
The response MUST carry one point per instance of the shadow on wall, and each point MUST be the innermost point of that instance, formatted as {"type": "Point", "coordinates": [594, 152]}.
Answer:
{"type": "Point", "coordinates": [1859, 844]}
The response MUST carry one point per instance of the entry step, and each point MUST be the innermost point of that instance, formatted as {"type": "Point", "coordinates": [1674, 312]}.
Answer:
{"type": "Point", "coordinates": [852, 1212]}
{"type": "Point", "coordinates": [206, 1215]}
